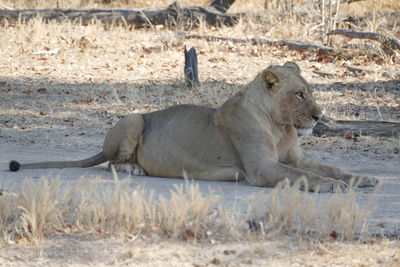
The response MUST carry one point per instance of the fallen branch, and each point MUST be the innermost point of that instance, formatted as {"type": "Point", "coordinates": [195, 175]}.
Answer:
{"type": "Point", "coordinates": [388, 86]}
{"type": "Point", "coordinates": [173, 15]}
{"type": "Point", "coordinates": [324, 74]}
{"type": "Point", "coordinates": [355, 69]}
{"type": "Point", "coordinates": [331, 127]}
{"type": "Point", "coordinates": [291, 44]}
{"type": "Point", "coordinates": [394, 42]}
{"type": "Point", "coordinates": [350, 1]}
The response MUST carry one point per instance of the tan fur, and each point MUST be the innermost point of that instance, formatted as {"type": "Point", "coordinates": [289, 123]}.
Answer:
{"type": "Point", "coordinates": [252, 136]}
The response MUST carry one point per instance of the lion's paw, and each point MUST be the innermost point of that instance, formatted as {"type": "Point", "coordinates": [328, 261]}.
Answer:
{"type": "Point", "coordinates": [366, 181]}
{"type": "Point", "coordinates": [131, 169]}
{"type": "Point", "coordinates": [332, 186]}
{"type": "Point", "coordinates": [138, 171]}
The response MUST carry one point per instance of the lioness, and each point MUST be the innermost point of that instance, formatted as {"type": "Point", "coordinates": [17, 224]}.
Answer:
{"type": "Point", "coordinates": [252, 136]}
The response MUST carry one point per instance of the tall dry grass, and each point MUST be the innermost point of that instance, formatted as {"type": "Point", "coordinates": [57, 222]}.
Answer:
{"type": "Point", "coordinates": [104, 207]}
{"type": "Point", "coordinates": [289, 210]}
{"type": "Point", "coordinates": [301, 20]}
{"type": "Point", "coordinates": [95, 206]}
{"type": "Point", "coordinates": [37, 208]}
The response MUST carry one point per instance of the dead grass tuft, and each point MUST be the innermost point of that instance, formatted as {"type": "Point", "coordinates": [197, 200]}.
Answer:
{"type": "Point", "coordinates": [108, 207]}
{"type": "Point", "coordinates": [8, 216]}
{"type": "Point", "coordinates": [37, 203]}
{"type": "Point", "coordinates": [95, 206]}
{"type": "Point", "coordinates": [344, 214]}
{"type": "Point", "coordinates": [186, 212]}
{"type": "Point", "coordinates": [291, 211]}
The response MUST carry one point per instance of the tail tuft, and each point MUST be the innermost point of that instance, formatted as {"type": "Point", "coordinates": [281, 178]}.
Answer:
{"type": "Point", "coordinates": [14, 166]}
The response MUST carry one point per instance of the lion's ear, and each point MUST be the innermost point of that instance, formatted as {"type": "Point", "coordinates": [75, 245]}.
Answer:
{"type": "Point", "coordinates": [292, 66]}
{"type": "Point", "coordinates": [270, 80]}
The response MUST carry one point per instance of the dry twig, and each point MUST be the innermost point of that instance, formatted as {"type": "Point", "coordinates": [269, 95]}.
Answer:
{"type": "Point", "coordinates": [355, 69]}
{"type": "Point", "coordinates": [291, 44]}
{"type": "Point", "coordinates": [394, 42]}
{"type": "Point", "coordinates": [324, 74]}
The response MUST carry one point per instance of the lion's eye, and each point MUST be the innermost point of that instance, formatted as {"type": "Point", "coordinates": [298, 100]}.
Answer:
{"type": "Point", "coordinates": [300, 95]}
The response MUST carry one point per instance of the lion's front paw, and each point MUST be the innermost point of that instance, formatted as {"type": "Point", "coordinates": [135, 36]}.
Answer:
{"type": "Point", "coordinates": [366, 181]}
{"type": "Point", "coordinates": [331, 186]}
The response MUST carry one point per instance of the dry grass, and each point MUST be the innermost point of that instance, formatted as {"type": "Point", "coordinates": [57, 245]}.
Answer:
{"type": "Point", "coordinates": [95, 206]}
{"type": "Point", "coordinates": [289, 210]}
{"type": "Point", "coordinates": [37, 205]}
{"type": "Point", "coordinates": [98, 207]}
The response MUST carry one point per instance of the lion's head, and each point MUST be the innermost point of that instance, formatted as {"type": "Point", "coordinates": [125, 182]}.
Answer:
{"type": "Point", "coordinates": [290, 97]}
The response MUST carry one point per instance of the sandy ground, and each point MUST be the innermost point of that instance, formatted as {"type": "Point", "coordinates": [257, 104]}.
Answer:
{"type": "Point", "coordinates": [77, 251]}
{"type": "Point", "coordinates": [63, 249]}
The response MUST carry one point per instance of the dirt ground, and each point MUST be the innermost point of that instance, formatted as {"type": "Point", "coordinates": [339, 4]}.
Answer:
{"type": "Point", "coordinates": [63, 86]}
{"type": "Point", "coordinates": [75, 251]}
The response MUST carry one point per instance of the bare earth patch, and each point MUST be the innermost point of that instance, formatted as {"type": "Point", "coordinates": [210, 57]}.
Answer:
{"type": "Point", "coordinates": [61, 251]}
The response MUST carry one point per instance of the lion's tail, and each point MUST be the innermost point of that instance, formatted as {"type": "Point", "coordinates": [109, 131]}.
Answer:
{"type": "Point", "coordinates": [88, 162]}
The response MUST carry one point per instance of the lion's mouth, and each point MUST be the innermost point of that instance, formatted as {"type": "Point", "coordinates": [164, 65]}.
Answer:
{"type": "Point", "coordinates": [305, 130]}
{"type": "Point", "coordinates": [306, 126]}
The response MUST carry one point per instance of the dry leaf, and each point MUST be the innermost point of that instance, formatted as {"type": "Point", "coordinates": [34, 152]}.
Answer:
{"type": "Point", "coordinates": [216, 261]}
{"type": "Point", "coordinates": [229, 252]}
{"type": "Point", "coordinates": [22, 240]}
{"type": "Point", "coordinates": [348, 137]}
{"type": "Point", "coordinates": [42, 90]}
{"type": "Point", "coordinates": [333, 234]}
{"type": "Point", "coordinates": [217, 59]}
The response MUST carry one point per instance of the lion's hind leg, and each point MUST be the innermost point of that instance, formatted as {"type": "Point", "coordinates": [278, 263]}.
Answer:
{"type": "Point", "coordinates": [121, 144]}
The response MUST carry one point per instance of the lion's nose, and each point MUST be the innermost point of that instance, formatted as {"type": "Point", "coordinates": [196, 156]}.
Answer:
{"type": "Point", "coordinates": [316, 118]}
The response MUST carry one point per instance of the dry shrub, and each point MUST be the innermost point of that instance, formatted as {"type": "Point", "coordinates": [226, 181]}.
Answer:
{"type": "Point", "coordinates": [37, 203]}
{"type": "Point", "coordinates": [98, 206]}
{"type": "Point", "coordinates": [108, 206]}
{"type": "Point", "coordinates": [284, 210]}
{"type": "Point", "coordinates": [344, 214]}
{"type": "Point", "coordinates": [186, 212]}
{"type": "Point", "coordinates": [288, 210]}
{"type": "Point", "coordinates": [115, 207]}
{"type": "Point", "coordinates": [8, 216]}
